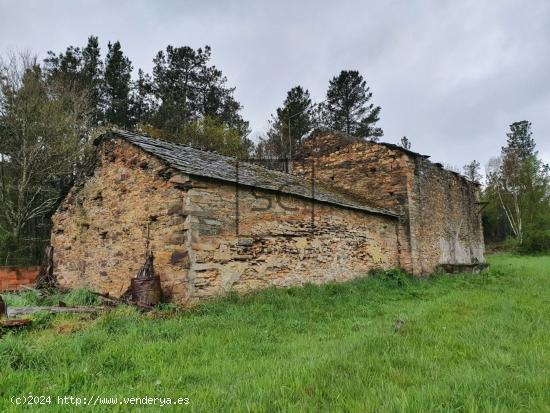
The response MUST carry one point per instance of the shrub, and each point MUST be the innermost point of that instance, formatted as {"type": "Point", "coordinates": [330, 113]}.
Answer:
{"type": "Point", "coordinates": [535, 241]}
{"type": "Point", "coordinates": [393, 277]}
{"type": "Point", "coordinates": [509, 244]}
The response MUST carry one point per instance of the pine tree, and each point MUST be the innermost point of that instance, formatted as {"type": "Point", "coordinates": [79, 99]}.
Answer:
{"type": "Point", "coordinates": [189, 91]}
{"type": "Point", "coordinates": [82, 69]}
{"type": "Point", "coordinates": [118, 72]}
{"type": "Point", "coordinates": [230, 115]}
{"type": "Point", "coordinates": [65, 65]}
{"type": "Point", "coordinates": [520, 140]}
{"type": "Point", "coordinates": [143, 103]}
{"type": "Point", "coordinates": [216, 100]}
{"type": "Point", "coordinates": [291, 122]}
{"type": "Point", "coordinates": [519, 182]}
{"type": "Point", "coordinates": [295, 114]}
{"type": "Point", "coordinates": [92, 76]}
{"type": "Point", "coordinates": [176, 78]}
{"type": "Point", "coordinates": [348, 108]}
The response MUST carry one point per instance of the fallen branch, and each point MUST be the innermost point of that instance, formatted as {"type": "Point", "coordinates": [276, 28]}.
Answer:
{"type": "Point", "coordinates": [17, 311]}
{"type": "Point", "coordinates": [15, 323]}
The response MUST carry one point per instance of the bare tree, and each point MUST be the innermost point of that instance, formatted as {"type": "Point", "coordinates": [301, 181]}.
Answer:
{"type": "Point", "coordinates": [405, 143]}
{"type": "Point", "coordinates": [518, 181]}
{"type": "Point", "coordinates": [42, 139]}
{"type": "Point", "coordinates": [502, 178]}
{"type": "Point", "coordinates": [471, 171]}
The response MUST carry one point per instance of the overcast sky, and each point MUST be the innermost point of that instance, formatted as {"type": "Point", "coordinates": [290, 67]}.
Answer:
{"type": "Point", "coordinates": [450, 75]}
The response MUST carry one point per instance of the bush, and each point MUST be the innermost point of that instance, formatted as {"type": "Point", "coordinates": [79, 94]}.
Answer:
{"type": "Point", "coordinates": [535, 241]}
{"type": "Point", "coordinates": [393, 277]}
{"type": "Point", "coordinates": [509, 244]}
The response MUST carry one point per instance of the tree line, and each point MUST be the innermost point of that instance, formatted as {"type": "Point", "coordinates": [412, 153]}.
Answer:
{"type": "Point", "coordinates": [51, 111]}
{"type": "Point", "coordinates": [346, 108]}
{"type": "Point", "coordinates": [516, 192]}
{"type": "Point", "coordinates": [185, 99]}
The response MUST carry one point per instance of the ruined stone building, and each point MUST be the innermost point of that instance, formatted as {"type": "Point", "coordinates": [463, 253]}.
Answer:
{"type": "Point", "coordinates": [217, 224]}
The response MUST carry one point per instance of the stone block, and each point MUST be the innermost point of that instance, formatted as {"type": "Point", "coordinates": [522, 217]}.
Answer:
{"type": "Point", "coordinates": [245, 242]}
{"type": "Point", "coordinates": [180, 258]}
{"type": "Point", "coordinates": [205, 246]}
{"type": "Point", "coordinates": [176, 239]}
{"type": "Point", "coordinates": [175, 209]}
{"type": "Point", "coordinates": [222, 256]}
{"type": "Point", "coordinates": [178, 179]}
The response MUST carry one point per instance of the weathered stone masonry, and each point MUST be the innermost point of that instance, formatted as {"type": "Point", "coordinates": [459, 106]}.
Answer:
{"type": "Point", "coordinates": [440, 222]}
{"type": "Point", "coordinates": [217, 225]}
{"type": "Point", "coordinates": [100, 230]}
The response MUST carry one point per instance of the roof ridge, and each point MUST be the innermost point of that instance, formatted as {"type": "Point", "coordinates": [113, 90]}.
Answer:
{"type": "Point", "coordinates": [197, 162]}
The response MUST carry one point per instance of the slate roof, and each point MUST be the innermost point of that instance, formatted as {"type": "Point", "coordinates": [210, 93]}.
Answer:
{"type": "Point", "coordinates": [212, 165]}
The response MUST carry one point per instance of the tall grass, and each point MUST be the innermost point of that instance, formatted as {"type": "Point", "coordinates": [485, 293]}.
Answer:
{"type": "Point", "coordinates": [469, 343]}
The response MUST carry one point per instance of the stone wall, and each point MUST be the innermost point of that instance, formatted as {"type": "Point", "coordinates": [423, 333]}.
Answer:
{"type": "Point", "coordinates": [445, 218]}
{"type": "Point", "coordinates": [275, 244]}
{"type": "Point", "coordinates": [439, 221]}
{"type": "Point", "coordinates": [99, 232]}
{"type": "Point", "coordinates": [209, 237]}
{"type": "Point", "coordinates": [377, 174]}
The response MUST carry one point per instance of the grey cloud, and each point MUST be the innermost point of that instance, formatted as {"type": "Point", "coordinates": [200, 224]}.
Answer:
{"type": "Point", "coordinates": [450, 75]}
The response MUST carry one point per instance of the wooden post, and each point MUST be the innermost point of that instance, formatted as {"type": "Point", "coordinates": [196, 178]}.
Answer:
{"type": "Point", "coordinates": [2, 307]}
{"type": "Point", "coordinates": [45, 277]}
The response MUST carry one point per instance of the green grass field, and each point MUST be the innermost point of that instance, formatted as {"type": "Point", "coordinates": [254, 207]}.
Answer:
{"type": "Point", "coordinates": [470, 343]}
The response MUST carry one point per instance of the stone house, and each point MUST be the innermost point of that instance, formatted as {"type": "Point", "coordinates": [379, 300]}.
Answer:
{"type": "Point", "coordinates": [217, 224]}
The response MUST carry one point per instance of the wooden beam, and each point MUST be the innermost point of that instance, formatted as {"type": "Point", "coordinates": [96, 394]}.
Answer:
{"type": "Point", "coordinates": [17, 311]}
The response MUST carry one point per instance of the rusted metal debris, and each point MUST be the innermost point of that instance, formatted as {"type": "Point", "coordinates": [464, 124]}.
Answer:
{"type": "Point", "coordinates": [147, 270]}
{"type": "Point", "coordinates": [145, 288]}
{"type": "Point", "coordinates": [146, 291]}
{"type": "Point", "coordinates": [126, 299]}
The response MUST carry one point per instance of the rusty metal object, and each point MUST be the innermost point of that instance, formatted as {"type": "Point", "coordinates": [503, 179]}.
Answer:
{"type": "Point", "coordinates": [146, 291]}
{"type": "Point", "coordinates": [145, 288]}
{"type": "Point", "coordinates": [148, 270]}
